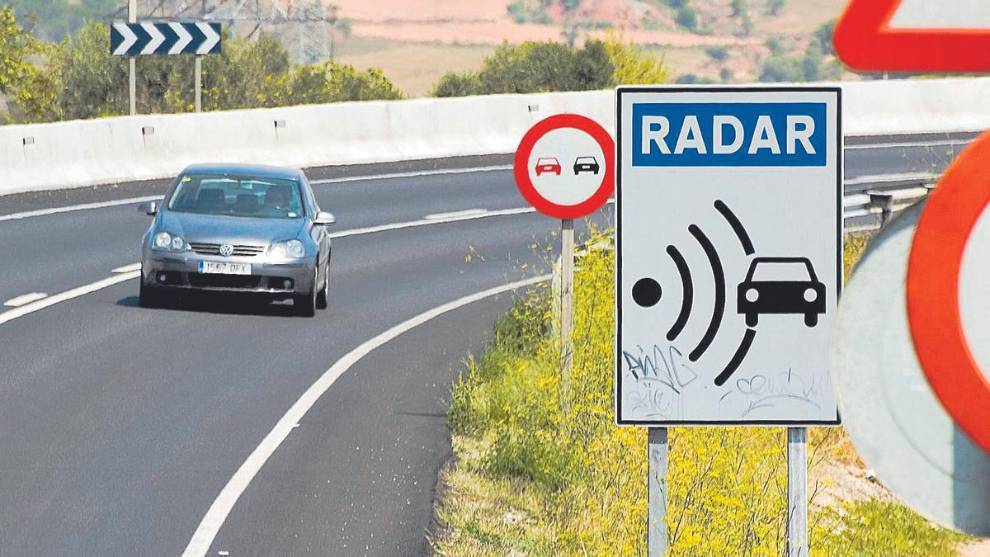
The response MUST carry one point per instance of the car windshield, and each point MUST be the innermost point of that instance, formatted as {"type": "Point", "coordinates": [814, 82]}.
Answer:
{"type": "Point", "coordinates": [238, 196]}
{"type": "Point", "coordinates": [547, 161]}
{"type": "Point", "coordinates": [781, 271]}
{"type": "Point", "coordinates": [586, 160]}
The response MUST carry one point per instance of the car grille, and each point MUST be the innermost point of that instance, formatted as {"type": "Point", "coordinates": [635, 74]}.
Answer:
{"type": "Point", "coordinates": [224, 281]}
{"type": "Point", "coordinates": [214, 249]}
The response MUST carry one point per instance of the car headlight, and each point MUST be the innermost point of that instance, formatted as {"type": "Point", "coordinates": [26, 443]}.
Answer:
{"type": "Point", "coordinates": [162, 240]}
{"type": "Point", "coordinates": [292, 249]}
{"type": "Point", "coordinates": [166, 241]}
{"type": "Point", "coordinates": [810, 295]}
{"type": "Point", "coordinates": [752, 295]}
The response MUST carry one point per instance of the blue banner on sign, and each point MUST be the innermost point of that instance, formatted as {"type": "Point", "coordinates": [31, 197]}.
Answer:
{"type": "Point", "coordinates": [729, 134]}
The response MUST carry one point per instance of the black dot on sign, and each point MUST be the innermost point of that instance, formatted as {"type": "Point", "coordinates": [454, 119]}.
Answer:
{"type": "Point", "coordinates": [646, 292]}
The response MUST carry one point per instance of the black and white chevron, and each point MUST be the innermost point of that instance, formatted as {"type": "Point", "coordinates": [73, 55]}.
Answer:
{"type": "Point", "coordinates": [164, 37]}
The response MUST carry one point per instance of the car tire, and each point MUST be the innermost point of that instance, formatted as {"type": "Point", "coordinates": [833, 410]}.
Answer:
{"type": "Point", "coordinates": [811, 319]}
{"type": "Point", "coordinates": [752, 319]}
{"type": "Point", "coordinates": [305, 304]}
{"type": "Point", "coordinates": [321, 298]}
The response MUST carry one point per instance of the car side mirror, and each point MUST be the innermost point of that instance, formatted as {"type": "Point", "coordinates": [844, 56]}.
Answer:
{"type": "Point", "coordinates": [149, 208]}
{"type": "Point", "coordinates": [324, 218]}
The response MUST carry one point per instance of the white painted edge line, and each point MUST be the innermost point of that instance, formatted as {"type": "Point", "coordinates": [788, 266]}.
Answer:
{"type": "Point", "coordinates": [464, 213]}
{"type": "Point", "coordinates": [67, 295]}
{"type": "Point", "coordinates": [416, 174]}
{"type": "Point", "coordinates": [25, 299]}
{"type": "Point", "coordinates": [881, 178]}
{"type": "Point", "coordinates": [70, 208]}
{"type": "Point", "coordinates": [217, 514]}
{"type": "Point", "coordinates": [128, 268]}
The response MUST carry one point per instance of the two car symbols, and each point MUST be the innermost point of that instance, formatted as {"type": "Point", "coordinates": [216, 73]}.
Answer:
{"type": "Point", "coordinates": [550, 165]}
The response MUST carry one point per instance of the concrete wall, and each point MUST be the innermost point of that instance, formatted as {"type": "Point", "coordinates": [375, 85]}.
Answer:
{"type": "Point", "coordinates": [81, 153]}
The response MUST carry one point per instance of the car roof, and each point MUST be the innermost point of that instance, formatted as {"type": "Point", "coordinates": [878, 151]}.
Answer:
{"type": "Point", "coordinates": [252, 170]}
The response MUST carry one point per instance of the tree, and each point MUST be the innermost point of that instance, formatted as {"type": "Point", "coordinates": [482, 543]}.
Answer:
{"type": "Point", "coordinates": [717, 53]}
{"type": "Point", "coordinates": [824, 37]}
{"type": "Point", "coordinates": [633, 66]}
{"type": "Point", "coordinates": [687, 18]}
{"type": "Point", "coordinates": [453, 84]}
{"type": "Point", "coordinates": [739, 8]}
{"type": "Point", "coordinates": [16, 46]}
{"type": "Point", "coordinates": [774, 7]}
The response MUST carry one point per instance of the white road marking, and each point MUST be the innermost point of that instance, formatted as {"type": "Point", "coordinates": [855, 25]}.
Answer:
{"type": "Point", "coordinates": [128, 268]}
{"type": "Point", "coordinates": [70, 208]}
{"type": "Point", "coordinates": [208, 528]}
{"type": "Point", "coordinates": [906, 144]}
{"type": "Point", "coordinates": [427, 222]}
{"type": "Point", "coordinates": [24, 299]}
{"type": "Point", "coordinates": [133, 270]}
{"type": "Point", "coordinates": [67, 295]}
{"type": "Point", "coordinates": [464, 213]}
{"type": "Point", "coordinates": [416, 174]}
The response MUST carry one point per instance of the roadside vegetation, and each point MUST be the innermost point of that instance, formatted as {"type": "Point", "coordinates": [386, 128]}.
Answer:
{"type": "Point", "coordinates": [78, 78]}
{"type": "Point", "coordinates": [533, 67]}
{"type": "Point", "coordinates": [541, 469]}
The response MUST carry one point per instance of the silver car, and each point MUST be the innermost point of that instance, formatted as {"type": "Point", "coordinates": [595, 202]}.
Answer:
{"type": "Point", "coordinates": [238, 228]}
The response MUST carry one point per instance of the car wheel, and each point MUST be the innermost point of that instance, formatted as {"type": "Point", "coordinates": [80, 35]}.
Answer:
{"type": "Point", "coordinates": [752, 319]}
{"type": "Point", "coordinates": [305, 304]}
{"type": "Point", "coordinates": [321, 298]}
{"type": "Point", "coordinates": [811, 319]}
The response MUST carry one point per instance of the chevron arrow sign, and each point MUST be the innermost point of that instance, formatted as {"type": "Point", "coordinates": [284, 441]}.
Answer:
{"type": "Point", "coordinates": [164, 37]}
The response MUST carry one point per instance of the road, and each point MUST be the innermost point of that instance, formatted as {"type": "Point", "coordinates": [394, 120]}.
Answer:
{"type": "Point", "coordinates": [121, 425]}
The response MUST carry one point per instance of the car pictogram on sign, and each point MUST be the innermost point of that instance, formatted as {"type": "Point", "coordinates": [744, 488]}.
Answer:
{"type": "Point", "coordinates": [586, 164]}
{"type": "Point", "coordinates": [781, 285]}
{"type": "Point", "coordinates": [547, 164]}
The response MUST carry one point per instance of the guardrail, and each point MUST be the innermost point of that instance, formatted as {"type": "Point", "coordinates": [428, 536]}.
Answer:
{"type": "Point", "coordinates": [869, 202]}
{"type": "Point", "coordinates": [111, 150]}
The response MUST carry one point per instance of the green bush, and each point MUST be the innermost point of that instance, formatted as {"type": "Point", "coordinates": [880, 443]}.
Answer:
{"type": "Point", "coordinates": [717, 53]}
{"type": "Point", "coordinates": [687, 18]}
{"type": "Point", "coordinates": [543, 470]}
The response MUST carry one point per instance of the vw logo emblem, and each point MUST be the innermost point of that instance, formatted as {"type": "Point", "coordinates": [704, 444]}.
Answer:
{"type": "Point", "coordinates": [226, 250]}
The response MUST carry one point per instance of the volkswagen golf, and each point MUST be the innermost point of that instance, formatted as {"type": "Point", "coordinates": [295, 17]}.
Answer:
{"type": "Point", "coordinates": [238, 228]}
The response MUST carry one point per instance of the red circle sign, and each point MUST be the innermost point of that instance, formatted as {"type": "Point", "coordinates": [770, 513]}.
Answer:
{"type": "Point", "coordinates": [523, 166]}
{"type": "Point", "coordinates": [933, 290]}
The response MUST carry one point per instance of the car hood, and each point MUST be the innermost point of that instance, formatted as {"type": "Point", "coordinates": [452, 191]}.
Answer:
{"type": "Point", "coordinates": [195, 227]}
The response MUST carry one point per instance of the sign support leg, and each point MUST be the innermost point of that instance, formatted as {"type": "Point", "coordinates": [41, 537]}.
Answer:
{"type": "Point", "coordinates": [566, 294]}
{"type": "Point", "coordinates": [198, 72]}
{"type": "Point", "coordinates": [656, 529]}
{"type": "Point", "coordinates": [797, 492]}
{"type": "Point", "coordinates": [131, 77]}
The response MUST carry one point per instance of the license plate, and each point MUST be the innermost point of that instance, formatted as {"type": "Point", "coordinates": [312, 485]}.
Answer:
{"type": "Point", "coordinates": [224, 268]}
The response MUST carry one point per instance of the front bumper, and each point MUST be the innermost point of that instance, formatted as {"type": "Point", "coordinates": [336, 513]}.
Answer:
{"type": "Point", "coordinates": [181, 271]}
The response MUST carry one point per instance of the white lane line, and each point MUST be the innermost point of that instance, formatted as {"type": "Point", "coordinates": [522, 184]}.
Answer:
{"type": "Point", "coordinates": [70, 208]}
{"type": "Point", "coordinates": [427, 222]}
{"type": "Point", "coordinates": [453, 214]}
{"type": "Point", "coordinates": [67, 295]}
{"type": "Point", "coordinates": [24, 299]}
{"type": "Point", "coordinates": [208, 528]}
{"type": "Point", "coordinates": [417, 174]}
{"type": "Point", "coordinates": [907, 144]}
{"type": "Point", "coordinates": [128, 268]}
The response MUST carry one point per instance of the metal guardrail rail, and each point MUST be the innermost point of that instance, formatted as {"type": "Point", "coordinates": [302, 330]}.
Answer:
{"type": "Point", "coordinates": [870, 201]}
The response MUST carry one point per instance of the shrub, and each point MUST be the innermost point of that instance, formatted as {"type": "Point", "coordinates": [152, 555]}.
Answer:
{"type": "Point", "coordinates": [717, 53]}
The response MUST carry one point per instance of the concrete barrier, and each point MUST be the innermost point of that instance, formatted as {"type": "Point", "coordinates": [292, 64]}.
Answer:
{"type": "Point", "coordinates": [108, 150]}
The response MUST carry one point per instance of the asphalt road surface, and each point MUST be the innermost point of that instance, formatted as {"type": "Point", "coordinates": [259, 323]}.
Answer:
{"type": "Point", "coordinates": [120, 426]}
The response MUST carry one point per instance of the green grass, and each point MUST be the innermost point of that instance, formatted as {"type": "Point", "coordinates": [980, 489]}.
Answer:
{"type": "Point", "coordinates": [541, 469]}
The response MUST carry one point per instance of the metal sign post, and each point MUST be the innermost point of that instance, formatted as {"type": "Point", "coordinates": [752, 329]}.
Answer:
{"type": "Point", "coordinates": [797, 492]}
{"type": "Point", "coordinates": [131, 77]}
{"type": "Point", "coordinates": [198, 71]}
{"type": "Point", "coordinates": [656, 531]}
{"type": "Point", "coordinates": [566, 295]}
